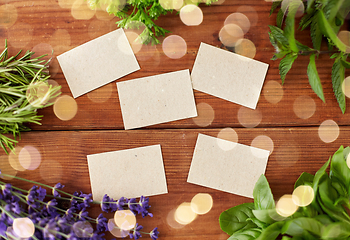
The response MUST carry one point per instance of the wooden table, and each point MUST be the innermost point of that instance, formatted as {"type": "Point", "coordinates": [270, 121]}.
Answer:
{"type": "Point", "coordinates": [98, 126]}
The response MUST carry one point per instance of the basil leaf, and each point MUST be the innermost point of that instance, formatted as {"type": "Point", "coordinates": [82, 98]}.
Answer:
{"type": "Point", "coordinates": [249, 234]}
{"type": "Point", "coordinates": [257, 222]}
{"type": "Point", "coordinates": [336, 230]}
{"type": "Point", "coordinates": [271, 232]}
{"type": "Point", "coordinates": [234, 219]}
{"type": "Point", "coordinates": [264, 215]}
{"type": "Point", "coordinates": [263, 198]}
{"type": "Point", "coordinates": [340, 169]}
{"type": "Point", "coordinates": [296, 227]}
{"type": "Point", "coordinates": [304, 179]}
{"type": "Point", "coordinates": [324, 219]}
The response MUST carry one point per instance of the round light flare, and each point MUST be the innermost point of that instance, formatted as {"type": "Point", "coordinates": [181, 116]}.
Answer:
{"type": "Point", "coordinates": [249, 118]}
{"type": "Point", "coordinates": [38, 94]}
{"type": "Point", "coordinates": [134, 41]}
{"type": "Point", "coordinates": [230, 135]}
{"type": "Point", "coordinates": [6, 168]}
{"type": "Point", "coordinates": [286, 4]}
{"type": "Point", "coordinates": [348, 160]}
{"type": "Point", "coordinates": [42, 49]}
{"type": "Point", "coordinates": [273, 92]}
{"type": "Point", "coordinates": [14, 159]}
{"type": "Point", "coordinates": [239, 19]}
{"type": "Point", "coordinates": [191, 15]}
{"type": "Point", "coordinates": [20, 34]}
{"type": "Point", "coordinates": [285, 206]}
{"type": "Point", "coordinates": [184, 214]}
{"type": "Point", "coordinates": [171, 4]}
{"type": "Point", "coordinates": [101, 94]}
{"type": "Point", "coordinates": [171, 220]}
{"type": "Point", "coordinates": [60, 37]}
{"type": "Point", "coordinates": [29, 157]}
{"type": "Point", "coordinates": [125, 219]}
{"type": "Point", "coordinates": [23, 227]}
{"type": "Point", "coordinates": [174, 47]}
{"type": "Point", "coordinates": [65, 107]}
{"type": "Point", "coordinates": [83, 229]}
{"type": "Point", "coordinates": [250, 12]}
{"type": "Point", "coordinates": [230, 34]}
{"type": "Point", "coordinates": [346, 87]}
{"type": "Point", "coordinates": [328, 131]}
{"type": "Point", "coordinates": [304, 107]}
{"type": "Point", "coordinates": [201, 203]}
{"type": "Point", "coordinates": [103, 15]}
{"type": "Point", "coordinates": [67, 4]}
{"type": "Point", "coordinates": [245, 47]}
{"type": "Point", "coordinates": [8, 15]}
{"type": "Point", "coordinates": [205, 114]}
{"type": "Point", "coordinates": [52, 84]}
{"type": "Point", "coordinates": [262, 142]}
{"type": "Point", "coordinates": [51, 171]}
{"type": "Point", "coordinates": [115, 231]}
{"type": "Point", "coordinates": [303, 195]}
{"type": "Point", "coordinates": [344, 36]}
{"type": "Point", "coordinates": [81, 10]}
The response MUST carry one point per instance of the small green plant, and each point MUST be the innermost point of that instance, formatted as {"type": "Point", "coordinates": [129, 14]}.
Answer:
{"type": "Point", "coordinates": [325, 218]}
{"type": "Point", "coordinates": [324, 18]}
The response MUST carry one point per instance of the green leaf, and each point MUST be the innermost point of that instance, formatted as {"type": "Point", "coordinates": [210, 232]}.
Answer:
{"type": "Point", "coordinates": [286, 64]}
{"type": "Point", "coordinates": [271, 232]}
{"type": "Point", "coordinates": [304, 179]}
{"type": "Point", "coordinates": [257, 222]}
{"type": "Point", "coordinates": [324, 219]}
{"type": "Point", "coordinates": [328, 195]}
{"type": "Point", "coordinates": [289, 25]}
{"type": "Point", "coordinates": [306, 20]}
{"type": "Point", "coordinates": [339, 168]}
{"type": "Point", "coordinates": [234, 219]}
{"type": "Point", "coordinates": [338, 76]}
{"type": "Point", "coordinates": [310, 5]}
{"type": "Point", "coordinates": [249, 234]}
{"type": "Point", "coordinates": [264, 215]}
{"type": "Point", "coordinates": [316, 35]}
{"type": "Point", "coordinates": [328, 31]}
{"type": "Point", "coordinates": [314, 79]}
{"type": "Point", "coordinates": [263, 198]}
{"type": "Point", "coordinates": [346, 152]}
{"type": "Point", "coordinates": [338, 230]}
{"type": "Point", "coordinates": [296, 227]}
{"type": "Point", "coordinates": [279, 18]}
{"type": "Point", "coordinates": [318, 176]}
{"type": "Point", "coordinates": [345, 63]}
{"type": "Point", "coordinates": [275, 5]}
{"type": "Point", "coordinates": [278, 35]}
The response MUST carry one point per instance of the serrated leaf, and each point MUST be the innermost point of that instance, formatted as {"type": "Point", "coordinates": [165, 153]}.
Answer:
{"type": "Point", "coordinates": [314, 79]}
{"type": "Point", "coordinates": [316, 35]}
{"type": "Point", "coordinates": [334, 55]}
{"type": "Point", "coordinates": [279, 18]}
{"type": "Point", "coordinates": [310, 4]}
{"type": "Point", "coordinates": [345, 63]}
{"type": "Point", "coordinates": [289, 25]}
{"type": "Point", "coordinates": [338, 75]}
{"type": "Point", "coordinates": [306, 20]}
{"type": "Point", "coordinates": [302, 47]}
{"type": "Point", "coordinates": [275, 5]}
{"type": "Point", "coordinates": [286, 64]}
{"type": "Point", "coordinates": [277, 34]}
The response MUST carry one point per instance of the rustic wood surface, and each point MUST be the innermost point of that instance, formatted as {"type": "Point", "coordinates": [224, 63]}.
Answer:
{"type": "Point", "coordinates": [98, 127]}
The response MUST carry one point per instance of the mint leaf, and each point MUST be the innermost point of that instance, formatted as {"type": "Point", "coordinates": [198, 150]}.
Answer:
{"type": "Point", "coordinates": [279, 18]}
{"type": "Point", "coordinates": [290, 22]}
{"type": "Point", "coordinates": [316, 35]}
{"type": "Point", "coordinates": [275, 5]}
{"type": "Point", "coordinates": [314, 79]}
{"type": "Point", "coordinates": [286, 64]}
{"type": "Point", "coordinates": [345, 63]}
{"type": "Point", "coordinates": [306, 20]}
{"type": "Point", "coordinates": [278, 35]}
{"type": "Point", "coordinates": [338, 75]}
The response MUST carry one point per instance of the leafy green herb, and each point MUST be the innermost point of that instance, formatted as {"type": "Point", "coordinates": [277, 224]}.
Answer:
{"type": "Point", "coordinates": [325, 218]}
{"type": "Point", "coordinates": [21, 94]}
{"type": "Point", "coordinates": [324, 18]}
{"type": "Point", "coordinates": [143, 14]}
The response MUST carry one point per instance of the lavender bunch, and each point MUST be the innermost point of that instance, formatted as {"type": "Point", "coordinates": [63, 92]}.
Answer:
{"type": "Point", "coordinates": [34, 215]}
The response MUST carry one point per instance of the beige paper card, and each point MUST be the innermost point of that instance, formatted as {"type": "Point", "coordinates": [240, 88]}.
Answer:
{"type": "Point", "coordinates": [127, 173]}
{"type": "Point", "coordinates": [156, 99]}
{"type": "Point", "coordinates": [98, 62]}
{"type": "Point", "coordinates": [227, 75]}
{"type": "Point", "coordinates": [227, 166]}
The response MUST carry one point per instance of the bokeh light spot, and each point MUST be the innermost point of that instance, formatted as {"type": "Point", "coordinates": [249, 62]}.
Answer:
{"type": "Point", "coordinates": [171, 4]}
{"type": "Point", "coordinates": [273, 92]}
{"type": "Point", "coordinates": [60, 37]}
{"type": "Point", "coordinates": [328, 131]}
{"type": "Point", "coordinates": [171, 220]}
{"type": "Point", "coordinates": [125, 219]}
{"type": "Point", "coordinates": [20, 34]}
{"type": "Point", "coordinates": [42, 49]}
{"type": "Point", "coordinates": [191, 15]}
{"type": "Point", "coordinates": [51, 171]}
{"type": "Point", "coordinates": [303, 195]}
{"type": "Point", "coordinates": [103, 15]}
{"type": "Point", "coordinates": [81, 10]}
{"type": "Point", "coordinates": [38, 93]}
{"type": "Point", "coordinates": [65, 107]}
{"type": "Point", "coordinates": [348, 160]}
{"type": "Point", "coordinates": [101, 94]}
{"type": "Point", "coordinates": [52, 84]}
{"type": "Point", "coordinates": [6, 168]}
{"type": "Point", "coordinates": [13, 159]}
{"type": "Point", "coordinates": [344, 36]}
{"type": "Point", "coordinates": [239, 19]}
{"type": "Point", "coordinates": [286, 4]}
{"type": "Point", "coordinates": [286, 206]}
{"type": "Point", "coordinates": [262, 142]}
{"type": "Point", "coordinates": [184, 214]}
{"type": "Point", "coordinates": [8, 15]}
{"type": "Point", "coordinates": [29, 157]}
{"type": "Point", "coordinates": [82, 229]}
{"type": "Point", "coordinates": [115, 231]}
{"type": "Point", "coordinates": [287, 154]}
{"type": "Point", "coordinates": [134, 41]}
{"type": "Point", "coordinates": [245, 47]}
{"type": "Point", "coordinates": [249, 118]}
{"type": "Point", "coordinates": [346, 87]}
{"type": "Point", "coordinates": [304, 107]}
{"type": "Point", "coordinates": [205, 115]}
{"type": "Point", "coordinates": [250, 13]}
{"type": "Point", "coordinates": [230, 34]}
{"type": "Point", "coordinates": [201, 203]}
{"type": "Point", "coordinates": [23, 227]}
{"type": "Point", "coordinates": [67, 4]}
{"type": "Point", "coordinates": [228, 134]}
{"type": "Point", "coordinates": [174, 47]}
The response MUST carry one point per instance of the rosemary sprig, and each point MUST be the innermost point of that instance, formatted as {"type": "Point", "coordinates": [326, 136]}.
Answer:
{"type": "Point", "coordinates": [21, 93]}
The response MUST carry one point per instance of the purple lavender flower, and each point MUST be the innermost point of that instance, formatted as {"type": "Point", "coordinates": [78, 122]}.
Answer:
{"type": "Point", "coordinates": [50, 229]}
{"type": "Point", "coordinates": [105, 206]}
{"type": "Point", "coordinates": [143, 206]}
{"type": "Point", "coordinates": [83, 214]}
{"type": "Point", "coordinates": [101, 223]}
{"type": "Point", "coordinates": [54, 191]}
{"type": "Point", "coordinates": [3, 229]}
{"type": "Point", "coordinates": [154, 233]}
{"type": "Point", "coordinates": [136, 234]}
{"type": "Point", "coordinates": [121, 202]}
{"type": "Point", "coordinates": [87, 199]}
{"type": "Point", "coordinates": [50, 206]}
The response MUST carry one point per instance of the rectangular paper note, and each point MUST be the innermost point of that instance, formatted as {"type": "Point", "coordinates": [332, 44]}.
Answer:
{"type": "Point", "coordinates": [227, 166]}
{"type": "Point", "coordinates": [98, 62]}
{"type": "Point", "coordinates": [127, 173]}
{"type": "Point", "coordinates": [156, 99]}
{"type": "Point", "coordinates": [228, 75]}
